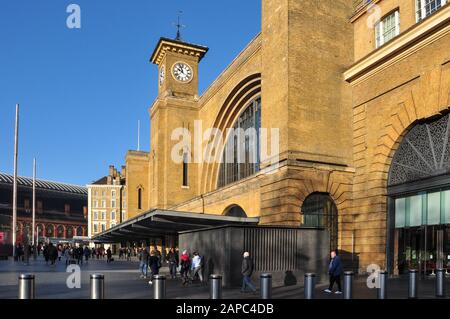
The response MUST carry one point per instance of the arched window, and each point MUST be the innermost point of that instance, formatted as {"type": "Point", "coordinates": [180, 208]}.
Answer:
{"type": "Point", "coordinates": [60, 231]}
{"type": "Point", "coordinates": [80, 231]}
{"type": "Point", "coordinates": [49, 231]}
{"type": "Point", "coordinates": [69, 232]}
{"type": "Point", "coordinates": [319, 210]}
{"type": "Point", "coordinates": [185, 170]}
{"type": "Point", "coordinates": [241, 155]}
{"type": "Point", "coordinates": [423, 153]}
{"type": "Point", "coordinates": [140, 198]}
{"type": "Point", "coordinates": [235, 211]}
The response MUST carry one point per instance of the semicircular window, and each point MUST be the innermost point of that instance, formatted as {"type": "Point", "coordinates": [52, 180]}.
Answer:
{"type": "Point", "coordinates": [240, 158]}
{"type": "Point", "coordinates": [423, 153]}
{"type": "Point", "coordinates": [236, 211]}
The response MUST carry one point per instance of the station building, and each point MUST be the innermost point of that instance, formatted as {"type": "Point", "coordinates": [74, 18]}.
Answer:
{"type": "Point", "coordinates": [359, 92]}
{"type": "Point", "coordinates": [61, 211]}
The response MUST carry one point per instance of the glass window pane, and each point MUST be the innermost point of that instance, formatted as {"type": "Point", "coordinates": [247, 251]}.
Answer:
{"type": "Point", "coordinates": [415, 210]}
{"type": "Point", "coordinates": [434, 209]}
{"type": "Point", "coordinates": [446, 207]}
{"type": "Point", "coordinates": [400, 209]}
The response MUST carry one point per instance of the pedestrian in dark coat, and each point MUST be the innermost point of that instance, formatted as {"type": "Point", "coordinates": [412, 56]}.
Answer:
{"type": "Point", "coordinates": [334, 270]}
{"type": "Point", "coordinates": [153, 263]}
{"type": "Point", "coordinates": [247, 271]}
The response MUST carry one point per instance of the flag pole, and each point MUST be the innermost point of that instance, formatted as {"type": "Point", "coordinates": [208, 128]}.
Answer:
{"type": "Point", "coordinates": [16, 149]}
{"type": "Point", "coordinates": [34, 202]}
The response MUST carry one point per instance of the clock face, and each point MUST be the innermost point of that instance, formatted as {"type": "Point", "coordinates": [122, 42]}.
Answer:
{"type": "Point", "coordinates": [162, 75]}
{"type": "Point", "coordinates": [182, 72]}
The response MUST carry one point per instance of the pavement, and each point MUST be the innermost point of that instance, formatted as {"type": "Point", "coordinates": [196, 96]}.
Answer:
{"type": "Point", "coordinates": [122, 281]}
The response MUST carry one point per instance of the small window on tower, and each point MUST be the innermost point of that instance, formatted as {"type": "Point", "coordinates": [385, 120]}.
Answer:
{"type": "Point", "coordinates": [140, 198]}
{"type": "Point", "coordinates": [185, 170]}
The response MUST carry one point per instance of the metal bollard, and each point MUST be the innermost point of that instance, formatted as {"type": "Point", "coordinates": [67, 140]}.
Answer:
{"type": "Point", "coordinates": [266, 286]}
{"type": "Point", "coordinates": [26, 286]}
{"type": "Point", "coordinates": [382, 281]}
{"type": "Point", "coordinates": [215, 289]}
{"type": "Point", "coordinates": [348, 285]}
{"type": "Point", "coordinates": [310, 285]}
{"type": "Point", "coordinates": [440, 283]}
{"type": "Point", "coordinates": [413, 284]}
{"type": "Point", "coordinates": [97, 286]}
{"type": "Point", "coordinates": [159, 287]}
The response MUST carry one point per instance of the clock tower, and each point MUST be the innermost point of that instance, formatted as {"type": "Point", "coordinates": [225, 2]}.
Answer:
{"type": "Point", "coordinates": [177, 63]}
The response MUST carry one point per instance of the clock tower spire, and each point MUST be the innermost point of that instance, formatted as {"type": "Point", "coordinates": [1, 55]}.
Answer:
{"type": "Point", "coordinates": [177, 62]}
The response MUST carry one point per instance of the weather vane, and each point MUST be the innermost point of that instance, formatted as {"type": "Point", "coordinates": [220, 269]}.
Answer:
{"type": "Point", "coordinates": [179, 26]}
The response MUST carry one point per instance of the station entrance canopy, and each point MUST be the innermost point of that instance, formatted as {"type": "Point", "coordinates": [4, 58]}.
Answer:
{"type": "Point", "coordinates": [158, 223]}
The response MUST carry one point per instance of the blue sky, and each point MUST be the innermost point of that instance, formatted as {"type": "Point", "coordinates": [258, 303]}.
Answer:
{"type": "Point", "coordinates": [82, 91]}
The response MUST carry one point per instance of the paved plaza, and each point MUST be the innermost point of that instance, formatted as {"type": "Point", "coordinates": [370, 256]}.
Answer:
{"type": "Point", "coordinates": [122, 282]}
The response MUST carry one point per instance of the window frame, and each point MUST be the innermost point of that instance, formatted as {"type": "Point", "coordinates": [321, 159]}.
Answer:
{"type": "Point", "coordinates": [421, 11]}
{"type": "Point", "coordinates": [379, 28]}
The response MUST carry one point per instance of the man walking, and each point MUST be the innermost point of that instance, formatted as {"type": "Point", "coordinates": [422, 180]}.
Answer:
{"type": "Point", "coordinates": [143, 265]}
{"type": "Point", "coordinates": [197, 267]}
{"type": "Point", "coordinates": [335, 271]}
{"type": "Point", "coordinates": [247, 271]}
{"type": "Point", "coordinates": [172, 260]}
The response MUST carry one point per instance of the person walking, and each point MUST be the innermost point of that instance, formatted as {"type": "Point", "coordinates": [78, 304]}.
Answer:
{"type": "Point", "coordinates": [197, 267]}
{"type": "Point", "coordinates": [87, 253]}
{"type": "Point", "coordinates": [172, 260]}
{"type": "Point", "coordinates": [154, 264]}
{"type": "Point", "coordinates": [247, 271]}
{"type": "Point", "coordinates": [185, 263]}
{"type": "Point", "coordinates": [108, 255]}
{"type": "Point", "coordinates": [335, 271]}
{"type": "Point", "coordinates": [143, 262]}
{"type": "Point", "coordinates": [67, 255]}
{"type": "Point", "coordinates": [53, 254]}
{"type": "Point", "coordinates": [46, 254]}
{"type": "Point", "coordinates": [129, 254]}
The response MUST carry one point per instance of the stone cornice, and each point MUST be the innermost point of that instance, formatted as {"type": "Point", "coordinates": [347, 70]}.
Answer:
{"type": "Point", "coordinates": [407, 43]}
{"type": "Point", "coordinates": [168, 45]}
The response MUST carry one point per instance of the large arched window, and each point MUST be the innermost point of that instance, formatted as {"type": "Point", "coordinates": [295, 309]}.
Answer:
{"type": "Point", "coordinates": [235, 211]}
{"type": "Point", "coordinates": [423, 153]}
{"type": "Point", "coordinates": [241, 155]}
{"type": "Point", "coordinates": [319, 210]}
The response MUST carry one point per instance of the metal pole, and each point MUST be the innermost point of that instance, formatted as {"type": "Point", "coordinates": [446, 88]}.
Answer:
{"type": "Point", "coordinates": [266, 286]}
{"type": "Point", "coordinates": [348, 285]}
{"type": "Point", "coordinates": [159, 287]}
{"type": "Point", "coordinates": [34, 203]}
{"type": "Point", "coordinates": [440, 283]}
{"type": "Point", "coordinates": [16, 150]}
{"type": "Point", "coordinates": [382, 281]}
{"type": "Point", "coordinates": [97, 286]}
{"type": "Point", "coordinates": [413, 284]}
{"type": "Point", "coordinates": [215, 287]}
{"type": "Point", "coordinates": [310, 285]}
{"type": "Point", "coordinates": [26, 286]}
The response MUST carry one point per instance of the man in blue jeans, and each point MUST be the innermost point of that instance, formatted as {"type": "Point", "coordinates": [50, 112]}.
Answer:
{"type": "Point", "coordinates": [246, 271]}
{"type": "Point", "coordinates": [335, 271]}
{"type": "Point", "coordinates": [143, 265]}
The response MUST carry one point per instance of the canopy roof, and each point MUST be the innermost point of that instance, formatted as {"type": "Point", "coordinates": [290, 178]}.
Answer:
{"type": "Point", "coordinates": [157, 223]}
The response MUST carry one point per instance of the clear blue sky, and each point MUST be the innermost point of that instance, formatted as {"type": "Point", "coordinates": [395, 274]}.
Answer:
{"type": "Point", "coordinates": [82, 91]}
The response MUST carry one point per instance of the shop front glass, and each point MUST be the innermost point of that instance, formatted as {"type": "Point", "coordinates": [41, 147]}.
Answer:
{"type": "Point", "coordinates": [422, 232]}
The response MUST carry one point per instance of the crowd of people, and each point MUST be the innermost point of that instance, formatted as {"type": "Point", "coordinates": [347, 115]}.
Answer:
{"type": "Point", "coordinates": [189, 268]}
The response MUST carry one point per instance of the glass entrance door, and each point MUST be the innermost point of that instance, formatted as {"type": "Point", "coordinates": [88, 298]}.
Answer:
{"type": "Point", "coordinates": [423, 248]}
